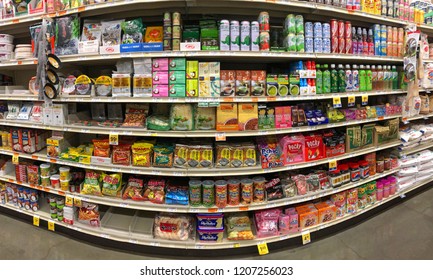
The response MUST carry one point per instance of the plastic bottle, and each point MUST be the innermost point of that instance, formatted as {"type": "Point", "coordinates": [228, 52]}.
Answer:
{"type": "Point", "coordinates": [386, 77]}
{"type": "Point", "coordinates": [368, 79]}
{"type": "Point", "coordinates": [370, 42]}
{"type": "Point", "coordinates": [364, 42]}
{"type": "Point", "coordinates": [348, 78]}
{"type": "Point", "coordinates": [319, 80]}
{"type": "Point", "coordinates": [359, 40]}
{"type": "Point", "coordinates": [334, 79]}
{"type": "Point", "coordinates": [355, 49]}
{"type": "Point", "coordinates": [374, 77]}
{"type": "Point", "coordinates": [341, 78]}
{"type": "Point", "coordinates": [390, 77]}
{"type": "Point", "coordinates": [362, 78]}
{"type": "Point", "coordinates": [379, 77]}
{"type": "Point", "coordinates": [355, 78]}
{"type": "Point", "coordinates": [326, 79]}
{"type": "Point", "coordinates": [394, 78]}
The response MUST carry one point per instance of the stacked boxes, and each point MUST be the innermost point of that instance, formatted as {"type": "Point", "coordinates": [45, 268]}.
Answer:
{"type": "Point", "coordinates": [142, 79]}
{"type": "Point", "coordinates": [177, 77]}
{"type": "Point", "coordinates": [209, 79]}
{"type": "Point", "coordinates": [192, 78]}
{"type": "Point", "coordinates": [160, 77]}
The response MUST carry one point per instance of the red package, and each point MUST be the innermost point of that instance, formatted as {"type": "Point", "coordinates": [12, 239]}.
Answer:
{"type": "Point", "coordinates": [314, 147]}
{"type": "Point", "coordinates": [121, 154]}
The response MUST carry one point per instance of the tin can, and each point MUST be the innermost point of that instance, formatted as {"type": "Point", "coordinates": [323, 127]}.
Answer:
{"type": "Point", "coordinates": [348, 29]}
{"type": "Point", "coordinates": [300, 43]}
{"type": "Point", "coordinates": [235, 36]}
{"type": "Point", "coordinates": [318, 45]}
{"type": "Point", "coordinates": [389, 33]}
{"type": "Point", "coordinates": [247, 191]}
{"type": "Point", "coordinates": [383, 47]}
{"type": "Point", "coordinates": [224, 35]}
{"type": "Point", "coordinates": [299, 24]}
{"type": "Point", "coordinates": [400, 52]}
{"type": "Point", "coordinates": [394, 49]}
{"type": "Point", "coordinates": [290, 24]}
{"type": "Point", "coordinates": [233, 187]}
{"type": "Point", "coordinates": [389, 48]}
{"type": "Point", "coordinates": [290, 42]}
{"type": "Point", "coordinates": [264, 22]}
{"type": "Point", "coordinates": [195, 194]}
{"type": "Point", "coordinates": [259, 189]}
{"type": "Point", "coordinates": [255, 36]}
{"type": "Point", "coordinates": [341, 29]}
{"type": "Point", "coordinates": [245, 36]}
{"type": "Point", "coordinates": [348, 45]}
{"type": "Point", "coordinates": [221, 193]}
{"type": "Point", "coordinates": [309, 45]}
{"type": "Point", "coordinates": [334, 44]}
{"type": "Point", "coordinates": [394, 34]}
{"type": "Point", "coordinates": [376, 31]}
{"type": "Point", "coordinates": [326, 42]}
{"type": "Point", "coordinates": [400, 35]}
{"type": "Point", "coordinates": [176, 18]}
{"type": "Point", "coordinates": [167, 18]}
{"type": "Point", "coordinates": [341, 45]}
{"type": "Point", "coordinates": [168, 32]}
{"type": "Point", "coordinates": [326, 30]}
{"type": "Point", "coordinates": [264, 39]}
{"type": "Point", "coordinates": [176, 32]}
{"type": "Point", "coordinates": [308, 29]}
{"type": "Point", "coordinates": [317, 30]}
{"type": "Point", "coordinates": [208, 193]}
{"type": "Point", "coordinates": [383, 31]}
{"type": "Point", "coordinates": [175, 44]}
{"type": "Point", "coordinates": [334, 28]}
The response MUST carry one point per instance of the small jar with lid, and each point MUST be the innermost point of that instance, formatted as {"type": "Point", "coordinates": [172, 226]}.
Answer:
{"type": "Point", "coordinates": [394, 162]}
{"type": "Point", "coordinates": [379, 190]}
{"type": "Point", "coordinates": [380, 165]}
{"type": "Point", "coordinates": [335, 178]}
{"type": "Point", "coordinates": [355, 172]}
{"type": "Point", "coordinates": [345, 173]}
{"type": "Point", "coordinates": [385, 188]}
{"type": "Point", "coordinates": [365, 169]}
{"type": "Point", "coordinates": [392, 185]}
{"type": "Point", "coordinates": [387, 163]}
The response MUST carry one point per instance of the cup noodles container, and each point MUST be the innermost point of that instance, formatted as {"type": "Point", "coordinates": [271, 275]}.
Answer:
{"type": "Point", "coordinates": [314, 147]}
{"type": "Point", "coordinates": [160, 64]}
{"type": "Point", "coordinates": [292, 149]}
{"type": "Point", "coordinates": [258, 83]}
{"type": "Point", "coordinates": [243, 83]}
{"type": "Point", "coordinates": [228, 82]}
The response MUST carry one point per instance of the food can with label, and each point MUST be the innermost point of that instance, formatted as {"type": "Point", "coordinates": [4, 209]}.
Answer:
{"type": "Point", "coordinates": [264, 22]}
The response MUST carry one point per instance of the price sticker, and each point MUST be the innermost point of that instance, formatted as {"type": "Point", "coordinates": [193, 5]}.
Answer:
{"type": "Point", "coordinates": [364, 99]}
{"type": "Point", "coordinates": [114, 139]}
{"type": "Point", "coordinates": [77, 201]}
{"type": "Point", "coordinates": [351, 101]}
{"type": "Point", "coordinates": [306, 238]}
{"type": "Point", "coordinates": [51, 226]}
{"type": "Point", "coordinates": [236, 245]}
{"type": "Point", "coordinates": [263, 249]}
{"type": "Point", "coordinates": [220, 136]}
{"type": "Point", "coordinates": [69, 201]}
{"type": "Point", "coordinates": [332, 165]}
{"type": "Point", "coordinates": [36, 221]}
{"type": "Point", "coordinates": [336, 101]}
{"type": "Point", "coordinates": [15, 159]}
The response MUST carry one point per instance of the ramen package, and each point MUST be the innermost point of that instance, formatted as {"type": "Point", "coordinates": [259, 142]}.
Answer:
{"type": "Point", "coordinates": [142, 154]}
{"type": "Point", "coordinates": [121, 154]}
{"type": "Point", "coordinates": [91, 184]}
{"type": "Point", "coordinates": [154, 34]}
{"type": "Point", "coordinates": [33, 175]}
{"type": "Point", "coordinates": [134, 189]}
{"type": "Point", "coordinates": [111, 184]}
{"type": "Point", "coordinates": [89, 214]}
{"type": "Point", "coordinates": [111, 32]}
{"type": "Point", "coordinates": [101, 147]}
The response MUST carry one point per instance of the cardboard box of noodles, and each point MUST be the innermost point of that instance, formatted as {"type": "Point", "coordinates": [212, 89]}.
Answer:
{"type": "Point", "coordinates": [248, 116]}
{"type": "Point", "coordinates": [227, 117]}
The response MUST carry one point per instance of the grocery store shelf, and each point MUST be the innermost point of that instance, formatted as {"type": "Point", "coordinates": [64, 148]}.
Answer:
{"type": "Point", "coordinates": [185, 134]}
{"type": "Point", "coordinates": [146, 239]}
{"type": "Point", "coordinates": [417, 149]}
{"type": "Point", "coordinates": [148, 206]}
{"type": "Point", "coordinates": [418, 117]}
{"type": "Point", "coordinates": [18, 97]}
{"type": "Point", "coordinates": [205, 172]}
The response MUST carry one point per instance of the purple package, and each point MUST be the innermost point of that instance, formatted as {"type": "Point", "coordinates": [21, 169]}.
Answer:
{"type": "Point", "coordinates": [270, 153]}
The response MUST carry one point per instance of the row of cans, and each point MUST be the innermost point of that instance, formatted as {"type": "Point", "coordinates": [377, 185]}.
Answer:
{"type": "Point", "coordinates": [171, 44]}
{"type": "Point", "coordinates": [317, 30]}
{"type": "Point", "coordinates": [241, 37]}
{"type": "Point", "coordinates": [340, 28]}
{"type": "Point", "coordinates": [388, 33]}
{"type": "Point", "coordinates": [294, 24]}
{"type": "Point", "coordinates": [172, 18]}
{"type": "Point", "coordinates": [172, 32]}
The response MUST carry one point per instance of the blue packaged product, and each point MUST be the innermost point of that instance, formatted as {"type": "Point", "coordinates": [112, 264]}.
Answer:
{"type": "Point", "coordinates": [377, 50]}
{"type": "Point", "coordinates": [210, 235]}
{"type": "Point", "coordinates": [34, 206]}
{"type": "Point", "coordinates": [376, 32]}
{"type": "Point", "coordinates": [210, 221]}
{"type": "Point", "coordinates": [309, 44]}
{"type": "Point", "coordinates": [326, 30]}
{"type": "Point", "coordinates": [318, 45]}
{"type": "Point", "coordinates": [317, 30]}
{"type": "Point", "coordinates": [383, 32]}
{"type": "Point", "coordinates": [326, 45]}
{"type": "Point", "coordinates": [383, 48]}
{"type": "Point", "coordinates": [308, 29]}
{"type": "Point", "coordinates": [20, 202]}
{"type": "Point", "coordinates": [177, 195]}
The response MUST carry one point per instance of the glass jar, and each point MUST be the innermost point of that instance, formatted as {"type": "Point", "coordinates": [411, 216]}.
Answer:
{"type": "Point", "coordinates": [355, 172]}
{"type": "Point", "coordinates": [365, 169]}
{"type": "Point", "coordinates": [345, 173]}
{"type": "Point", "coordinates": [380, 165]}
{"type": "Point", "coordinates": [392, 185]}
{"type": "Point", "coordinates": [335, 178]}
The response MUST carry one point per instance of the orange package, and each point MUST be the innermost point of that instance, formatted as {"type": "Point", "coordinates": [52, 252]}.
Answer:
{"type": "Point", "coordinates": [101, 147]}
{"type": "Point", "coordinates": [327, 211]}
{"type": "Point", "coordinates": [308, 216]}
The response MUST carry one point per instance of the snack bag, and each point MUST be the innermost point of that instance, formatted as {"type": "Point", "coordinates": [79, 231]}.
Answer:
{"type": "Point", "coordinates": [111, 184]}
{"type": "Point", "coordinates": [101, 147]}
{"type": "Point", "coordinates": [91, 183]}
{"type": "Point", "coordinates": [134, 189]}
{"type": "Point", "coordinates": [88, 214]}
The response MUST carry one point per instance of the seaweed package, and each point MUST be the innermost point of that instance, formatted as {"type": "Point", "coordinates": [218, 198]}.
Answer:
{"type": "Point", "coordinates": [194, 155]}
{"type": "Point", "coordinates": [92, 30]}
{"type": "Point", "coordinates": [353, 138]}
{"type": "Point", "coordinates": [67, 35]}
{"type": "Point", "coordinates": [206, 157]}
{"type": "Point", "coordinates": [393, 128]}
{"type": "Point", "coordinates": [181, 117]}
{"type": "Point", "coordinates": [367, 134]}
{"type": "Point", "coordinates": [111, 32]}
{"type": "Point", "coordinates": [180, 156]}
{"type": "Point", "coordinates": [223, 155]}
{"type": "Point", "coordinates": [250, 156]}
{"type": "Point", "coordinates": [111, 184]}
{"type": "Point", "coordinates": [132, 31]}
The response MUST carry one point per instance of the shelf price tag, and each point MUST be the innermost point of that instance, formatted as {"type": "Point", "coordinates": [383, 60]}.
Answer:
{"type": "Point", "coordinates": [36, 221]}
{"type": "Point", "coordinates": [77, 201]}
{"type": "Point", "coordinates": [263, 249]}
{"type": "Point", "coordinates": [51, 226]}
{"type": "Point", "coordinates": [364, 99]}
{"type": "Point", "coordinates": [114, 139]}
{"type": "Point", "coordinates": [236, 245]}
{"type": "Point", "coordinates": [332, 165]}
{"type": "Point", "coordinates": [220, 136]}
{"type": "Point", "coordinates": [336, 101]}
{"type": "Point", "coordinates": [351, 101]}
{"type": "Point", "coordinates": [306, 238]}
{"type": "Point", "coordinates": [15, 159]}
{"type": "Point", "coordinates": [69, 201]}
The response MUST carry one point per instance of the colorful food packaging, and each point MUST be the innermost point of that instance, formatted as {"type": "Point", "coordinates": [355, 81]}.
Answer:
{"type": "Point", "coordinates": [142, 154]}
{"type": "Point", "coordinates": [111, 184]}
{"type": "Point", "coordinates": [134, 189]}
{"type": "Point", "coordinates": [121, 154]}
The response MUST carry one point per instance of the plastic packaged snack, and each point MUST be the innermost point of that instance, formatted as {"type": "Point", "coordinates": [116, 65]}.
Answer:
{"type": "Point", "coordinates": [239, 227]}
{"type": "Point", "coordinates": [67, 35]}
{"type": "Point", "coordinates": [204, 118]}
{"type": "Point", "coordinates": [163, 155]}
{"type": "Point", "coordinates": [134, 189]}
{"type": "Point", "coordinates": [101, 147]}
{"type": "Point", "coordinates": [177, 195]}
{"type": "Point", "coordinates": [33, 175]}
{"type": "Point", "coordinates": [142, 154]}
{"type": "Point", "coordinates": [155, 191]}
{"type": "Point", "coordinates": [181, 117]}
{"type": "Point", "coordinates": [111, 31]}
{"type": "Point", "coordinates": [88, 214]}
{"type": "Point", "coordinates": [111, 184]}
{"type": "Point", "coordinates": [92, 30]}
{"type": "Point", "coordinates": [173, 227]}
{"type": "Point", "coordinates": [160, 123]}
{"type": "Point", "coordinates": [132, 31]}
{"type": "Point", "coordinates": [154, 34]}
{"type": "Point", "coordinates": [121, 154]}
{"type": "Point", "coordinates": [103, 86]}
{"type": "Point", "coordinates": [91, 183]}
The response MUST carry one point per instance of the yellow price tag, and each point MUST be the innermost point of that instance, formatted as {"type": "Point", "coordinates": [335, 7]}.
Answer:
{"type": "Point", "coordinates": [351, 100]}
{"type": "Point", "coordinates": [114, 139]}
{"type": "Point", "coordinates": [332, 165]}
{"type": "Point", "coordinates": [77, 201]}
{"type": "Point", "coordinates": [15, 159]}
{"type": "Point", "coordinates": [69, 201]}
{"type": "Point", "coordinates": [364, 99]}
{"type": "Point", "coordinates": [36, 221]}
{"type": "Point", "coordinates": [236, 245]}
{"type": "Point", "coordinates": [220, 136]}
{"type": "Point", "coordinates": [336, 102]}
{"type": "Point", "coordinates": [306, 238]}
{"type": "Point", "coordinates": [51, 225]}
{"type": "Point", "coordinates": [263, 249]}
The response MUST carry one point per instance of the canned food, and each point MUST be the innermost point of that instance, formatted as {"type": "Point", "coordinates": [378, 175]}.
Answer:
{"type": "Point", "coordinates": [334, 44]}
{"type": "Point", "coordinates": [383, 46]}
{"type": "Point", "coordinates": [264, 22]}
{"type": "Point", "coordinates": [348, 45]}
{"type": "Point", "coordinates": [334, 28]}
{"type": "Point", "coordinates": [208, 193]}
{"type": "Point", "coordinates": [299, 23]}
{"type": "Point", "coordinates": [341, 29]}
{"type": "Point", "coordinates": [235, 35]}
{"type": "Point", "coordinates": [300, 43]}
{"type": "Point", "coordinates": [389, 48]}
{"type": "Point", "coordinates": [247, 191]}
{"type": "Point", "coordinates": [308, 29]}
{"type": "Point", "coordinates": [389, 34]}
{"type": "Point", "coordinates": [400, 35]}
{"type": "Point", "coordinates": [224, 35]}
{"type": "Point", "coordinates": [317, 30]}
{"type": "Point", "coordinates": [221, 193]}
{"type": "Point", "coordinates": [167, 18]}
{"type": "Point", "coordinates": [167, 44]}
{"type": "Point", "coordinates": [290, 24]}
{"type": "Point", "coordinates": [383, 31]}
{"type": "Point", "coordinates": [326, 30]}
{"type": "Point", "coordinates": [326, 45]}
{"type": "Point", "coordinates": [176, 32]}
{"type": "Point", "coordinates": [176, 18]}
{"type": "Point", "coordinates": [309, 45]}
{"type": "Point", "coordinates": [259, 189]}
{"type": "Point", "coordinates": [255, 36]}
{"type": "Point", "coordinates": [348, 29]}
{"type": "Point", "coordinates": [394, 34]}
{"type": "Point", "coordinates": [318, 45]}
{"type": "Point", "coordinates": [400, 49]}
{"type": "Point", "coordinates": [168, 32]}
{"type": "Point", "coordinates": [290, 42]}
{"type": "Point", "coordinates": [233, 187]}
{"type": "Point", "coordinates": [264, 39]}
{"type": "Point", "coordinates": [195, 194]}
{"type": "Point", "coordinates": [341, 45]}
{"type": "Point", "coordinates": [175, 44]}
{"type": "Point", "coordinates": [245, 36]}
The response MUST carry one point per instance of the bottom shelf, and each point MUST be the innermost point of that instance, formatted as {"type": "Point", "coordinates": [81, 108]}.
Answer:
{"type": "Point", "coordinates": [135, 227]}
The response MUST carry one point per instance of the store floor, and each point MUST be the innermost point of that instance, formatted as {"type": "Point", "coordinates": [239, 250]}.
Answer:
{"type": "Point", "coordinates": [402, 232]}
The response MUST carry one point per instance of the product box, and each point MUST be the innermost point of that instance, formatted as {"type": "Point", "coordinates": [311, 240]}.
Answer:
{"type": "Point", "coordinates": [283, 117]}
{"type": "Point", "coordinates": [47, 116]}
{"type": "Point", "coordinates": [192, 69]}
{"type": "Point", "coordinates": [192, 88]}
{"type": "Point", "coordinates": [266, 117]}
{"type": "Point", "coordinates": [294, 81]}
{"type": "Point", "coordinates": [289, 221]}
{"type": "Point", "coordinates": [204, 80]}
{"type": "Point", "coordinates": [91, 46]}
{"type": "Point", "coordinates": [160, 64]}
{"type": "Point", "coordinates": [176, 90]}
{"type": "Point", "coordinates": [160, 91]}
{"type": "Point", "coordinates": [210, 221]}
{"type": "Point", "coordinates": [60, 113]}
{"type": "Point", "coordinates": [121, 85]}
{"type": "Point", "coordinates": [243, 83]}
{"type": "Point", "coordinates": [28, 141]}
{"type": "Point", "coordinates": [272, 85]}
{"type": "Point", "coordinates": [352, 201]}
{"type": "Point", "coordinates": [55, 146]}
{"type": "Point", "coordinates": [258, 83]}
{"type": "Point", "coordinates": [228, 82]}
{"type": "Point", "coordinates": [270, 152]}
{"type": "Point", "coordinates": [353, 138]}
{"type": "Point", "coordinates": [134, 47]}
{"type": "Point", "coordinates": [214, 77]}
{"type": "Point", "coordinates": [283, 84]}
{"type": "Point", "coordinates": [314, 147]}
{"type": "Point", "coordinates": [308, 216]}
{"type": "Point", "coordinates": [160, 78]}
{"type": "Point", "coordinates": [37, 6]}
{"type": "Point", "coordinates": [339, 200]}
{"type": "Point", "coordinates": [293, 149]}
{"type": "Point", "coordinates": [327, 211]}
{"type": "Point", "coordinates": [210, 235]}
{"type": "Point", "coordinates": [248, 116]}
{"type": "Point", "coordinates": [177, 77]}
{"type": "Point", "coordinates": [142, 85]}
{"type": "Point", "coordinates": [227, 117]}
{"type": "Point", "coordinates": [16, 139]}
{"type": "Point", "coordinates": [177, 64]}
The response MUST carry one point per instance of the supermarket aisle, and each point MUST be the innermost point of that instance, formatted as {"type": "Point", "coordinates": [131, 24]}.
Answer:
{"type": "Point", "coordinates": [403, 232]}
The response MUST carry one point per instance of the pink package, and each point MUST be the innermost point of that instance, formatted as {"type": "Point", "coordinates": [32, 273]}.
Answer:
{"type": "Point", "coordinates": [267, 222]}
{"type": "Point", "coordinates": [283, 117]}
{"type": "Point", "coordinates": [292, 147]}
{"type": "Point", "coordinates": [160, 64]}
{"type": "Point", "coordinates": [160, 91]}
{"type": "Point", "coordinates": [160, 78]}
{"type": "Point", "coordinates": [270, 153]}
{"type": "Point", "coordinates": [301, 183]}
{"type": "Point", "coordinates": [288, 222]}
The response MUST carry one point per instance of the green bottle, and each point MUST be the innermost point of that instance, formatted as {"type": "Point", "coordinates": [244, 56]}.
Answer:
{"type": "Point", "coordinates": [368, 79]}
{"type": "Point", "coordinates": [334, 79]}
{"type": "Point", "coordinates": [326, 79]}
{"type": "Point", "coordinates": [362, 78]}
{"type": "Point", "coordinates": [394, 78]}
{"type": "Point", "coordinates": [319, 80]}
{"type": "Point", "coordinates": [341, 78]}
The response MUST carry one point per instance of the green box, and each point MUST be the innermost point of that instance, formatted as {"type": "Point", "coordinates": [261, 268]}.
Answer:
{"type": "Point", "coordinates": [272, 85]}
{"type": "Point", "coordinates": [176, 90]}
{"type": "Point", "coordinates": [177, 64]}
{"type": "Point", "coordinates": [192, 69]}
{"type": "Point", "coordinates": [283, 84]}
{"type": "Point", "coordinates": [177, 77]}
{"type": "Point", "coordinates": [192, 88]}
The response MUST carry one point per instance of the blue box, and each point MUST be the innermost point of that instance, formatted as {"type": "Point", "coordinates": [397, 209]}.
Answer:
{"type": "Point", "coordinates": [152, 47]}
{"type": "Point", "coordinates": [135, 47]}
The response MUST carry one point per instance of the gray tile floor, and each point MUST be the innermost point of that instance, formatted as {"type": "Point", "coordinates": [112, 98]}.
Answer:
{"type": "Point", "coordinates": [403, 232]}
